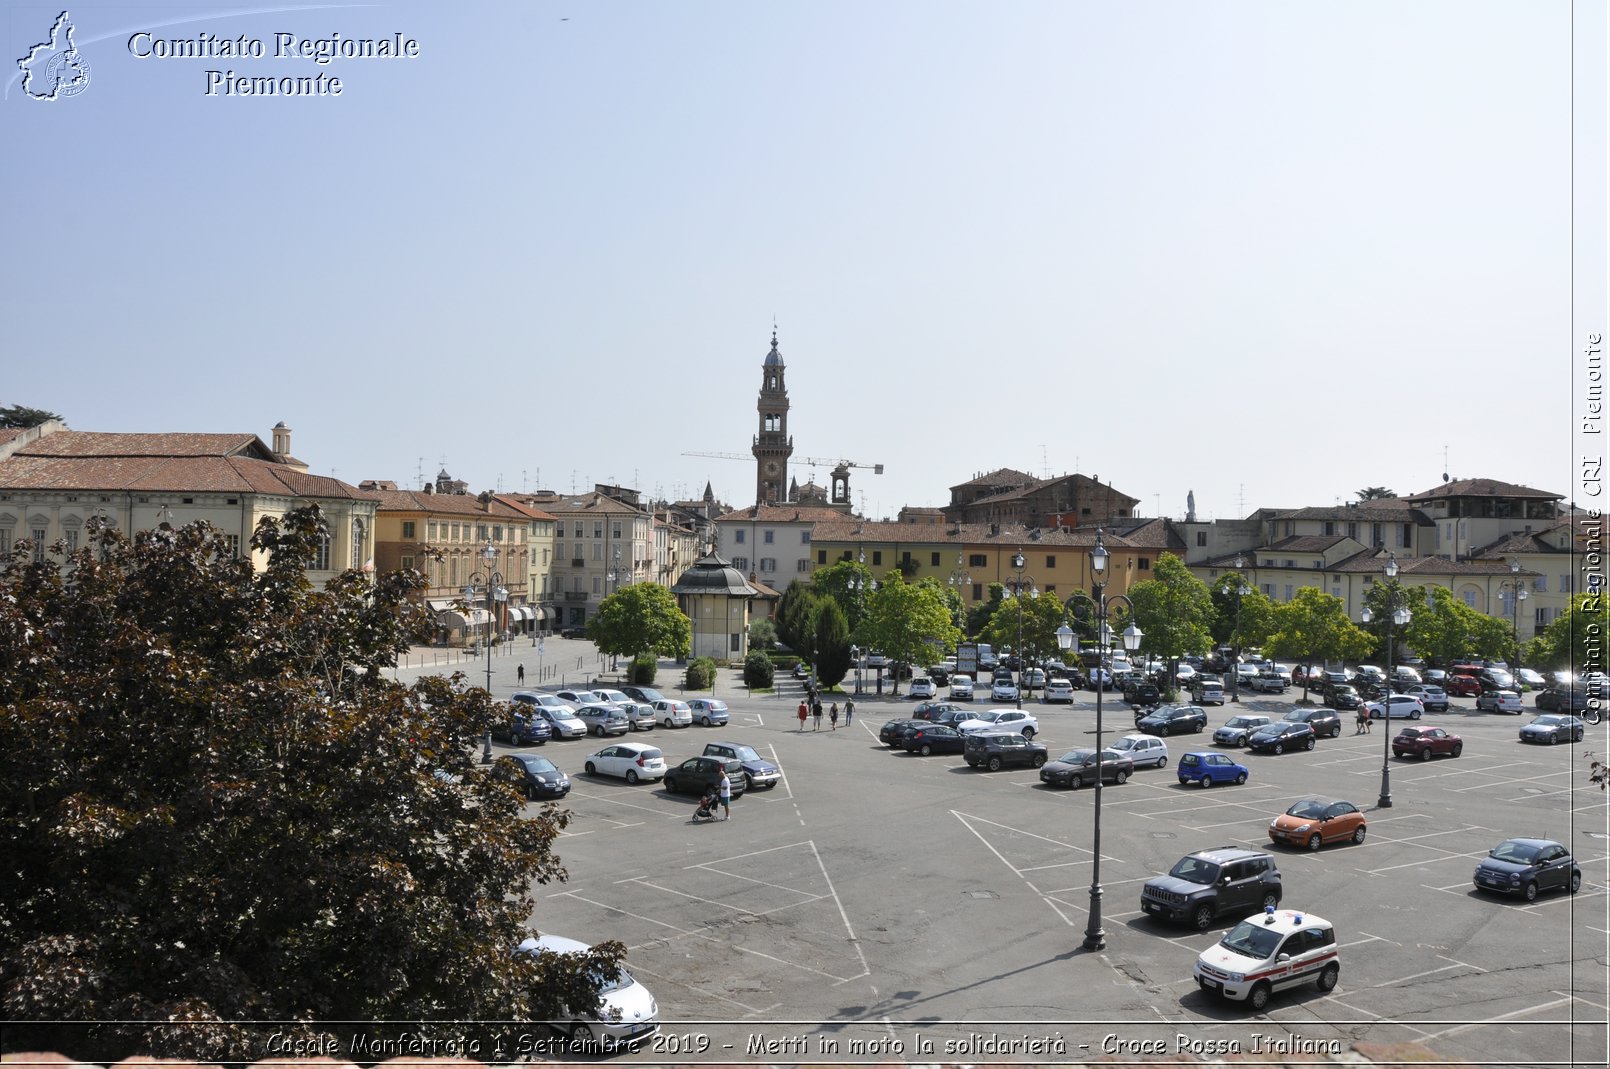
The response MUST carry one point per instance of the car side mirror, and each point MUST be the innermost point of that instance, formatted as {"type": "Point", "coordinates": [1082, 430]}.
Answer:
{"type": "Point", "coordinates": [1283, 957]}
{"type": "Point", "coordinates": [1224, 881]}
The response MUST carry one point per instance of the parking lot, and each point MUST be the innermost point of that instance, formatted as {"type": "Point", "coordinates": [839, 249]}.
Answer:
{"type": "Point", "coordinates": [882, 905]}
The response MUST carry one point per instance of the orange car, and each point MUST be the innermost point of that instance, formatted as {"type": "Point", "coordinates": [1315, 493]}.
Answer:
{"type": "Point", "coordinates": [1315, 821]}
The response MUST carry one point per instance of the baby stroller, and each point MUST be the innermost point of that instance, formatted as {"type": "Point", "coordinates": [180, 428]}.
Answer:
{"type": "Point", "coordinates": [707, 806]}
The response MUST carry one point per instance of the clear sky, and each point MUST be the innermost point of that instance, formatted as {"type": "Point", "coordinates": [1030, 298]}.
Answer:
{"type": "Point", "coordinates": [1270, 252]}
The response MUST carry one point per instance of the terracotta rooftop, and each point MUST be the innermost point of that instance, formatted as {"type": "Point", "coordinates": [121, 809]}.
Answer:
{"type": "Point", "coordinates": [1481, 488]}
{"type": "Point", "coordinates": [1016, 535]}
{"type": "Point", "coordinates": [1390, 510]}
{"type": "Point", "coordinates": [157, 474]}
{"type": "Point", "coordinates": [781, 514]}
{"type": "Point", "coordinates": [998, 477]}
{"type": "Point", "coordinates": [66, 443]}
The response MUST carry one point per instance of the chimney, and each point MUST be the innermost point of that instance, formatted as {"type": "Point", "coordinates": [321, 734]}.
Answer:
{"type": "Point", "coordinates": [282, 439]}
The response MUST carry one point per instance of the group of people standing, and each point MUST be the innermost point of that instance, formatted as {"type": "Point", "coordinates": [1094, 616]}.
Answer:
{"type": "Point", "coordinates": [811, 706]}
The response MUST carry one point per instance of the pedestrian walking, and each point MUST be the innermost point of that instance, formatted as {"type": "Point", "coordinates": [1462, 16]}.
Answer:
{"type": "Point", "coordinates": [849, 712]}
{"type": "Point", "coordinates": [1364, 723]}
{"type": "Point", "coordinates": [816, 711]}
{"type": "Point", "coordinates": [726, 798]}
{"type": "Point", "coordinates": [804, 711]}
{"type": "Point", "coordinates": [519, 673]}
{"type": "Point", "coordinates": [833, 715]}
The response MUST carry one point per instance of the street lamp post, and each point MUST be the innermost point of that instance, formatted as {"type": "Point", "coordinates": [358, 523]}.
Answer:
{"type": "Point", "coordinates": [1517, 594]}
{"type": "Point", "coordinates": [495, 592]}
{"type": "Point", "coordinates": [1240, 590]}
{"type": "Point", "coordinates": [1017, 594]}
{"type": "Point", "coordinates": [1095, 935]}
{"type": "Point", "coordinates": [960, 580]}
{"type": "Point", "coordinates": [1396, 613]}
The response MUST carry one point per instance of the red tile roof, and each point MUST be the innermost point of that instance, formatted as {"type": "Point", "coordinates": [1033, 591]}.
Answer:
{"type": "Point", "coordinates": [1482, 488]}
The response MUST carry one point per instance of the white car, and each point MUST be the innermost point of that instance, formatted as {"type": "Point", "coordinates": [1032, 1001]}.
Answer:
{"type": "Point", "coordinates": [961, 688]}
{"type": "Point", "coordinates": [1057, 690]}
{"type": "Point", "coordinates": [1142, 750]}
{"type": "Point", "coordinates": [1033, 679]}
{"type": "Point", "coordinates": [1401, 705]}
{"type": "Point", "coordinates": [1264, 954]}
{"type": "Point", "coordinates": [626, 1012]}
{"type": "Point", "coordinates": [1014, 720]}
{"type": "Point", "coordinates": [631, 761]}
{"type": "Point", "coordinates": [1003, 691]}
{"type": "Point", "coordinates": [579, 698]}
{"type": "Point", "coordinates": [560, 715]}
{"type": "Point", "coordinates": [1499, 701]}
{"type": "Point", "coordinates": [673, 714]}
{"type": "Point", "coordinates": [922, 687]}
{"type": "Point", "coordinates": [1184, 674]}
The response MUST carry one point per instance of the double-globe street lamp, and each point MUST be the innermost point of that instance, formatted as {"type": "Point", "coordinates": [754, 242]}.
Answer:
{"type": "Point", "coordinates": [858, 587]}
{"type": "Point", "coordinates": [1018, 584]}
{"type": "Point", "coordinates": [1095, 935]}
{"type": "Point", "coordinates": [1517, 594]}
{"type": "Point", "coordinates": [495, 592]}
{"type": "Point", "coordinates": [1397, 612]}
{"type": "Point", "coordinates": [1240, 590]}
{"type": "Point", "coordinates": [959, 581]}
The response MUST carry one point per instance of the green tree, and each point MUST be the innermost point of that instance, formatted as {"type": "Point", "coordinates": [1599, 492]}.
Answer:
{"type": "Point", "coordinates": [1040, 616]}
{"type": "Point", "coordinates": [832, 644]}
{"type": "Point", "coordinates": [762, 634]}
{"type": "Point", "coordinates": [641, 618]}
{"type": "Point", "coordinates": [759, 673]}
{"type": "Point", "coordinates": [211, 817]}
{"type": "Point", "coordinates": [1174, 611]}
{"type": "Point", "coordinates": [905, 622]}
{"type": "Point", "coordinates": [22, 416]}
{"type": "Point", "coordinates": [795, 611]}
{"type": "Point", "coordinates": [1379, 599]}
{"type": "Point", "coordinates": [1375, 493]}
{"type": "Point", "coordinates": [1447, 630]}
{"type": "Point", "coordinates": [846, 582]}
{"type": "Point", "coordinates": [1313, 627]}
{"type": "Point", "coordinates": [1575, 641]}
{"type": "Point", "coordinates": [1244, 620]}
{"type": "Point", "coordinates": [980, 614]}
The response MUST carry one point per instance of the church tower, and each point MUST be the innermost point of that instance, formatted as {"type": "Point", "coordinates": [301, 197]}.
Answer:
{"type": "Point", "coordinates": [772, 446]}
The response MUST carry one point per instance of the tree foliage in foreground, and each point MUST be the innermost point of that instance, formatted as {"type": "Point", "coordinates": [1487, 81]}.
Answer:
{"type": "Point", "coordinates": [216, 810]}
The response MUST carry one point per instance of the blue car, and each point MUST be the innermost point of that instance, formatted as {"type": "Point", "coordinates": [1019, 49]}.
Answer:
{"type": "Point", "coordinates": [708, 711]}
{"type": "Point", "coordinates": [1208, 769]}
{"type": "Point", "coordinates": [522, 730]}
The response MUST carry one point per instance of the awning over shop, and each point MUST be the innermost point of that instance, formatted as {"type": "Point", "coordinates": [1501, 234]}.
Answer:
{"type": "Point", "coordinates": [459, 618]}
{"type": "Point", "coordinates": [439, 604]}
{"type": "Point", "coordinates": [519, 614]}
{"type": "Point", "coordinates": [541, 613]}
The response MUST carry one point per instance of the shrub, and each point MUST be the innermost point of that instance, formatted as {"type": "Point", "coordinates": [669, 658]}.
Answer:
{"type": "Point", "coordinates": [758, 671]}
{"type": "Point", "coordinates": [701, 673]}
{"type": "Point", "coordinates": [645, 666]}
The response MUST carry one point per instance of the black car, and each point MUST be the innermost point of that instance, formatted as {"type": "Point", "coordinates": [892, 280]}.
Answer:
{"type": "Point", "coordinates": [931, 710]}
{"type": "Point", "coordinates": [1205, 885]}
{"type": "Point", "coordinates": [934, 738]}
{"type": "Point", "coordinates": [1079, 767]}
{"type": "Point", "coordinates": [1557, 699]}
{"type": "Point", "coordinates": [699, 774]}
{"type": "Point", "coordinates": [940, 675]}
{"type": "Point", "coordinates": [643, 694]}
{"type": "Point", "coordinates": [891, 733]}
{"type": "Point", "coordinates": [522, 730]}
{"type": "Point", "coordinates": [1326, 723]}
{"type": "Point", "coordinates": [1142, 693]}
{"type": "Point", "coordinates": [1173, 719]}
{"type": "Point", "coordinates": [1526, 866]}
{"type": "Point", "coordinates": [536, 776]}
{"type": "Point", "coordinates": [1281, 736]}
{"type": "Point", "coordinates": [1001, 750]}
{"type": "Point", "coordinates": [1343, 697]}
{"type": "Point", "coordinates": [1552, 728]}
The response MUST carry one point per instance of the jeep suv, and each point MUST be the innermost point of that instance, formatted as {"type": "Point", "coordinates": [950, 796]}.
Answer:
{"type": "Point", "coordinates": [1205, 885]}
{"type": "Point", "coordinates": [1000, 750]}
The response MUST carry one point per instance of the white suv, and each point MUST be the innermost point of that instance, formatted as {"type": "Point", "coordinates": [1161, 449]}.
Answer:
{"type": "Point", "coordinates": [1057, 690]}
{"type": "Point", "coordinates": [1269, 953]}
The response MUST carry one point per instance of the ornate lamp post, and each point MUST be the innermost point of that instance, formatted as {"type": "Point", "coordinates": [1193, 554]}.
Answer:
{"type": "Point", "coordinates": [1396, 613]}
{"type": "Point", "coordinates": [1017, 594]}
{"type": "Point", "coordinates": [1517, 594]}
{"type": "Point", "coordinates": [1095, 935]}
{"type": "Point", "coordinates": [959, 581]}
{"type": "Point", "coordinates": [495, 592]}
{"type": "Point", "coordinates": [858, 587]}
{"type": "Point", "coordinates": [1240, 590]}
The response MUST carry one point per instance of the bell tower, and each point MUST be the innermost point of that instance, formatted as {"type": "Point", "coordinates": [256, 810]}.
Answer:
{"type": "Point", "coordinates": [772, 446]}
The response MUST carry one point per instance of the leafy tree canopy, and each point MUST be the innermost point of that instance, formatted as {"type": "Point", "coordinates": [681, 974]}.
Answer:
{"type": "Point", "coordinates": [1313, 627]}
{"type": "Point", "coordinates": [1375, 493]}
{"type": "Point", "coordinates": [1576, 639]}
{"type": "Point", "coordinates": [1174, 610]}
{"type": "Point", "coordinates": [832, 643]}
{"type": "Point", "coordinates": [216, 810]}
{"type": "Point", "coordinates": [641, 618]}
{"type": "Point", "coordinates": [848, 583]}
{"type": "Point", "coordinates": [1040, 616]}
{"type": "Point", "coordinates": [1241, 620]}
{"type": "Point", "coordinates": [905, 622]}
{"type": "Point", "coordinates": [12, 416]}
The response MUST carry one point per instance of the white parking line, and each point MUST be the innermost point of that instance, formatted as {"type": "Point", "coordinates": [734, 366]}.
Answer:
{"type": "Point", "coordinates": [1485, 1021]}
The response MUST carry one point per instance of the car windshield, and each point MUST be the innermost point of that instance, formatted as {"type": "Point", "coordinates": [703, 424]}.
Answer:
{"type": "Point", "coordinates": [562, 713]}
{"type": "Point", "coordinates": [1195, 870]}
{"type": "Point", "coordinates": [1243, 722]}
{"type": "Point", "coordinates": [1549, 721]}
{"type": "Point", "coordinates": [988, 718]}
{"type": "Point", "coordinates": [1408, 733]}
{"type": "Point", "coordinates": [539, 764]}
{"type": "Point", "coordinates": [1308, 808]}
{"type": "Point", "coordinates": [746, 753]}
{"type": "Point", "coordinates": [1122, 744]}
{"type": "Point", "coordinates": [1075, 757]}
{"type": "Point", "coordinates": [1514, 852]}
{"type": "Point", "coordinates": [1253, 940]}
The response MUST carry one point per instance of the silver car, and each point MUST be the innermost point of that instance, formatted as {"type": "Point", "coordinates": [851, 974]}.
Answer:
{"type": "Point", "coordinates": [1236, 731]}
{"type": "Point", "coordinates": [604, 719]}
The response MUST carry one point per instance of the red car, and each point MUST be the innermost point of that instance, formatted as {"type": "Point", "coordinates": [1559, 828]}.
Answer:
{"type": "Point", "coordinates": [1463, 686]}
{"type": "Point", "coordinates": [1426, 743]}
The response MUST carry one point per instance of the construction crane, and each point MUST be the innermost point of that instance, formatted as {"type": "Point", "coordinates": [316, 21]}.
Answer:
{"type": "Point", "coordinates": [877, 469]}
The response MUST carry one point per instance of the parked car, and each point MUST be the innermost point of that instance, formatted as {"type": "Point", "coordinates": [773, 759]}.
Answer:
{"type": "Point", "coordinates": [1270, 952]}
{"type": "Point", "coordinates": [612, 696]}
{"type": "Point", "coordinates": [1205, 885]}
{"type": "Point", "coordinates": [1024, 723]}
{"type": "Point", "coordinates": [1566, 698]}
{"type": "Point", "coordinates": [1057, 690]}
{"type": "Point", "coordinates": [563, 720]}
{"type": "Point", "coordinates": [1426, 743]}
{"type": "Point", "coordinates": [1343, 697]}
{"type": "Point", "coordinates": [698, 774]}
{"type": "Point", "coordinates": [922, 687]}
{"type": "Point", "coordinates": [631, 761]}
{"type": "Point", "coordinates": [891, 733]}
{"type": "Point", "coordinates": [1208, 768]}
{"type": "Point", "coordinates": [1431, 696]}
{"type": "Point", "coordinates": [626, 1013]}
{"type": "Point", "coordinates": [1462, 686]}
{"type": "Point", "coordinates": [933, 738]}
{"type": "Point", "coordinates": [1003, 690]}
{"type": "Point", "coordinates": [1530, 679]}
{"type": "Point", "coordinates": [1142, 693]}
{"type": "Point", "coordinates": [1269, 683]}
{"type": "Point", "coordinates": [1493, 678]}
{"type": "Point", "coordinates": [1099, 678]}
{"type": "Point", "coordinates": [1032, 679]}
{"type": "Point", "coordinates": [1552, 728]}
{"type": "Point", "coordinates": [1078, 767]}
{"type": "Point", "coordinates": [1236, 730]}
{"type": "Point", "coordinates": [673, 713]}
{"type": "Point", "coordinates": [1401, 705]}
{"type": "Point", "coordinates": [579, 698]}
{"type": "Point", "coordinates": [1403, 675]}
{"type": "Point", "coordinates": [757, 771]}
{"type": "Point", "coordinates": [961, 688]}
{"type": "Point", "coordinates": [1527, 866]}
{"type": "Point", "coordinates": [1499, 701]}
{"type": "Point", "coordinates": [522, 730]}
{"type": "Point", "coordinates": [1173, 719]}
{"type": "Point", "coordinates": [1142, 750]}
{"type": "Point", "coordinates": [940, 674]}
{"type": "Point", "coordinates": [1326, 723]}
{"type": "Point", "coordinates": [602, 720]}
{"type": "Point", "coordinates": [998, 750]}
{"type": "Point", "coordinates": [931, 710]}
{"type": "Point", "coordinates": [1281, 736]}
{"type": "Point", "coordinates": [710, 712]}
{"type": "Point", "coordinates": [537, 776]}
{"type": "Point", "coordinates": [643, 694]}
{"type": "Point", "coordinates": [1313, 822]}
{"type": "Point", "coordinates": [1206, 690]}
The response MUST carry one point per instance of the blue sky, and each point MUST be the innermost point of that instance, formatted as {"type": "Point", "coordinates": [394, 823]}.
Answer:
{"type": "Point", "coordinates": [1268, 252]}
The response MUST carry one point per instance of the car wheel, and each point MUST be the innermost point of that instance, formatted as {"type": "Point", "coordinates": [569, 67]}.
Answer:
{"type": "Point", "coordinates": [927, 750]}
{"type": "Point", "coordinates": [631, 776]}
{"type": "Point", "coordinates": [1039, 759]}
{"type": "Point", "coordinates": [1529, 892]}
{"type": "Point", "coordinates": [1207, 781]}
{"type": "Point", "coordinates": [1075, 782]}
{"type": "Point", "coordinates": [1240, 778]}
{"type": "Point", "coordinates": [1308, 744]}
{"type": "Point", "coordinates": [704, 721]}
{"type": "Point", "coordinates": [1270, 901]}
{"type": "Point", "coordinates": [1279, 749]}
{"type": "Point", "coordinates": [1121, 776]}
{"type": "Point", "coordinates": [591, 770]}
{"type": "Point", "coordinates": [581, 1035]}
{"type": "Point", "coordinates": [1553, 739]}
{"type": "Point", "coordinates": [1414, 714]}
{"type": "Point", "coordinates": [1425, 754]}
{"type": "Point", "coordinates": [670, 784]}
{"type": "Point", "coordinates": [1315, 841]}
{"type": "Point", "coordinates": [1162, 762]}
{"type": "Point", "coordinates": [994, 764]}
{"type": "Point", "coordinates": [1576, 882]}
{"type": "Point", "coordinates": [1028, 733]}
{"type": "Point", "coordinates": [1203, 918]}
{"type": "Point", "coordinates": [1358, 834]}
{"type": "Point", "coordinates": [1328, 976]}
{"type": "Point", "coordinates": [749, 783]}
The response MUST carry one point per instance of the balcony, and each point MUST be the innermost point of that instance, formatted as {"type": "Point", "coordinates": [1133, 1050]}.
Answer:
{"type": "Point", "coordinates": [577, 595]}
{"type": "Point", "coordinates": [578, 562]}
